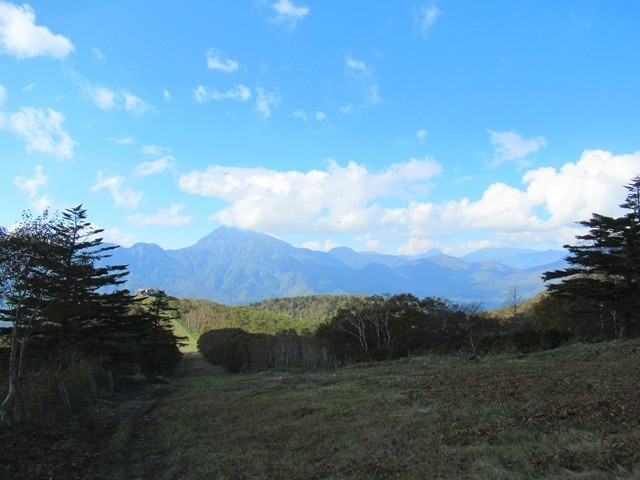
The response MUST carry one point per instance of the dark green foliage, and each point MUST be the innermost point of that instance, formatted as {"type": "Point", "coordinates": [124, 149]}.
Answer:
{"type": "Point", "coordinates": [602, 284]}
{"type": "Point", "coordinates": [525, 340]}
{"type": "Point", "coordinates": [236, 350]}
{"type": "Point", "coordinates": [159, 346]}
{"type": "Point", "coordinates": [84, 309]}
{"type": "Point", "coordinates": [63, 303]}
{"type": "Point", "coordinates": [228, 347]}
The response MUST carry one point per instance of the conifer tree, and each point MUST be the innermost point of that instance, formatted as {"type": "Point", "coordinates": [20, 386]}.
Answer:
{"type": "Point", "coordinates": [81, 314]}
{"type": "Point", "coordinates": [160, 343]}
{"type": "Point", "coordinates": [604, 273]}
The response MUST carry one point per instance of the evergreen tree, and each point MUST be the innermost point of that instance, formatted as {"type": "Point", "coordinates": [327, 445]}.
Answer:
{"type": "Point", "coordinates": [86, 310]}
{"type": "Point", "coordinates": [604, 274]}
{"type": "Point", "coordinates": [160, 344]}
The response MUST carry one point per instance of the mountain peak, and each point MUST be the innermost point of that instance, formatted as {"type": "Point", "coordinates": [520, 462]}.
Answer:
{"type": "Point", "coordinates": [235, 266]}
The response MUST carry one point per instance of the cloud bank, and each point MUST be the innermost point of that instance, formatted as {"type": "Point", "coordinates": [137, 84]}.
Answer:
{"type": "Point", "coordinates": [543, 209]}
{"type": "Point", "coordinates": [335, 199]}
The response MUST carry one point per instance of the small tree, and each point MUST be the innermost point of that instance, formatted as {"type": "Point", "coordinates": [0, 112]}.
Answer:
{"type": "Point", "coordinates": [24, 296]}
{"type": "Point", "coordinates": [512, 301]}
{"type": "Point", "coordinates": [470, 311]}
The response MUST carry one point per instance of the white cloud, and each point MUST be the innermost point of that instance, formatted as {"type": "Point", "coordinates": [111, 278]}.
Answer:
{"type": "Point", "coordinates": [266, 101]}
{"type": "Point", "coordinates": [238, 92]}
{"type": "Point", "coordinates": [415, 246]}
{"type": "Point", "coordinates": [286, 11]}
{"type": "Point", "coordinates": [166, 94]}
{"type": "Point", "coordinates": [218, 60]}
{"type": "Point", "coordinates": [300, 114]}
{"type": "Point", "coordinates": [156, 166]}
{"type": "Point", "coordinates": [363, 80]}
{"type": "Point", "coordinates": [98, 56]}
{"type": "Point", "coordinates": [3, 95]}
{"type": "Point", "coordinates": [425, 18]}
{"type": "Point", "coordinates": [29, 87]}
{"type": "Point", "coordinates": [106, 98]}
{"type": "Point", "coordinates": [21, 37]}
{"type": "Point", "coordinates": [122, 196]}
{"type": "Point", "coordinates": [422, 134]}
{"type": "Point", "coordinates": [32, 185]}
{"type": "Point", "coordinates": [356, 67]}
{"type": "Point", "coordinates": [510, 146]}
{"type": "Point", "coordinates": [325, 246]}
{"type": "Point", "coordinates": [373, 97]}
{"type": "Point", "coordinates": [335, 199]}
{"type": "Point", "coordinates": [543, 212]}
{"type": "Point", "coordinates": [114, 235]}
{"type": "Point", "coordinates": [154, 150]}
{"type": "Point", "coordinates": [134, 104]}
{"type": "Point", "coordinates": [42, 130]}
{"type": "Point", "coordinates": [392, 207]}
{"type": "Point", "coordinates": [347, 109]}
{"type": "Point", "coordinates": [123, 140]}
{"type": "Point", "coordinates": [164, 217]}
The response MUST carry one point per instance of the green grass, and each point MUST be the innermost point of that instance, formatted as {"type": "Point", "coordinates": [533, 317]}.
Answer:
{"type": "Point", "coordinates": [191, 341]}
{"type": "Point", "coordinates": [572, 414]}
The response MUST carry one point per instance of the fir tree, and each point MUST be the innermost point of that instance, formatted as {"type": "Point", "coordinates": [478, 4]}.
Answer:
{"type": "Point", "coordinates": [604, 272]}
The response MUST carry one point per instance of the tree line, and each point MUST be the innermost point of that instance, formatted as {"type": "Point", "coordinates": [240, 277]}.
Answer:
{"type": "Point", "coordinates": [61, 303]}
{"type": "Point", "coordinates": [365, 328]}
{"type": "Point", "coordinates": [596, 297]}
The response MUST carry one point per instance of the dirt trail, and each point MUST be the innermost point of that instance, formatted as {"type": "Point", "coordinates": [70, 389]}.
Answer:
{"type": "Point", "coordinates": [193, 364]}
{"type": "Point", "coordinates": [142, 462]}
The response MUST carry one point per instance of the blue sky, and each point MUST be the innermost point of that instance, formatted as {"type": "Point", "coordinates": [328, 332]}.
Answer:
{"type": "Point", "coordinates": [389, 126]}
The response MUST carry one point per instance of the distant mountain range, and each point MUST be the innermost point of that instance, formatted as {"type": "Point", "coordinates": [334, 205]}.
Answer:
{"type": "Point", "coordinates": [234, 267]}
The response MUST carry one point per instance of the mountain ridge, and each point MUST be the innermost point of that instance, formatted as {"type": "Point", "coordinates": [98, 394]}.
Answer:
{"type": "Point", "coordinates": [236, 266]}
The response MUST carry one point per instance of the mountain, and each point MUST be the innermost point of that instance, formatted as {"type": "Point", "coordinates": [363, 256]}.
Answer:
{"type": "Point", "coordinates": [235, 266]}
{"type": "Point", "coordinates": [516, 257]}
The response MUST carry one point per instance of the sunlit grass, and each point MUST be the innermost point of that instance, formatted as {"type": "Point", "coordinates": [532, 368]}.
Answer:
{"type": "Point", "coordinates": [190, 341]}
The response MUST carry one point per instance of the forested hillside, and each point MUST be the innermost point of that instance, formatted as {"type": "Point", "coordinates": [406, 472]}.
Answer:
{"type": "Point", "coordinates": [199, 316]}
{"type": "Point", "coordinates": [315, 307]}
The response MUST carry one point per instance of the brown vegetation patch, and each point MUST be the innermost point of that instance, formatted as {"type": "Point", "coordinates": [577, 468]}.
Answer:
{"type": "Point", "coordinates": [620, 409]}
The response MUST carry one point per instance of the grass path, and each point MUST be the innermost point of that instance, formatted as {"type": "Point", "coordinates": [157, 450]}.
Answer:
{"type": "Point", "coordinates": [571, 414]}
{"type": "Point", "coordinates": [144, 457]}
{"type": "Point", "coordinates": [193, 363]}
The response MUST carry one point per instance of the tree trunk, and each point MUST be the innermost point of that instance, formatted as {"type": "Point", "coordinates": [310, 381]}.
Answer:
{"type": "Point", "coordinates": [13, 377]}
{"type": "Point", "coordinates": [625, 326]}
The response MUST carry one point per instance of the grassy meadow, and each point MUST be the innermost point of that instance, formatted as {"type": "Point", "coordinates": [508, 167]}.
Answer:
{"type": "Point", "coordinates": [572, 413]}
